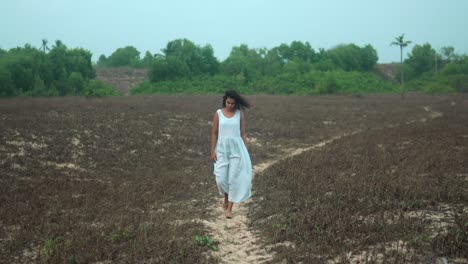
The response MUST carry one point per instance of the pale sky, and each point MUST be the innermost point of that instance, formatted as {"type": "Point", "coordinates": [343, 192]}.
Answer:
{"type": "Point", "coordinates": [102, 26]}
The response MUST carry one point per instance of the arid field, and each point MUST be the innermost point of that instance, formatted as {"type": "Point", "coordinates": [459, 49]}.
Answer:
{"type": "Point", "coordinates": [344, 179]}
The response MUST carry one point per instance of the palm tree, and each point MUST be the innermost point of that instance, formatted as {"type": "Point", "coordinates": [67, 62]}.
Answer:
{"type": "Point", "coordinates": [58, 43]}
{"type": "Point", "coordinates": [399, 41]}
{"type": "Point", "coordinates": [44, 45]}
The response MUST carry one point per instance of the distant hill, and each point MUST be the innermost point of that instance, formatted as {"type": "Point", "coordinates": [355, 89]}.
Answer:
{"type": "Point", "coordinates": [123, 79]}
{"type": "Point", "coordinates": [387, 71]}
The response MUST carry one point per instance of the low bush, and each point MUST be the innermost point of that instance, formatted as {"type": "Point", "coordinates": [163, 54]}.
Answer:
{"type": "Point", "coordinates": [97, 88]}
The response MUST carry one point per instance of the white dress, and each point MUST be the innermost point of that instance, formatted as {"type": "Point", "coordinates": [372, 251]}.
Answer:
{"type": "Point", "coordinates": [233, 167]}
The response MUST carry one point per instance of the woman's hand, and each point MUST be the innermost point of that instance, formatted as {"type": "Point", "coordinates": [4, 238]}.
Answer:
{"type": "Point", "coordinates": [213, 156]}
{"type": "Point", "coordinates": [246, 143]}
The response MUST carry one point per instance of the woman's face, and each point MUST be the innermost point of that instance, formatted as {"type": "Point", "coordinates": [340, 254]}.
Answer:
{"type": "Point", "coordinates": [230, 103]}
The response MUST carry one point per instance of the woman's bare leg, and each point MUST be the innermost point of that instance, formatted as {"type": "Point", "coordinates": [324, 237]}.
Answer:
{"type": "Point", "coordinates": [226, 201]}
{"type": "Point", "coordinates": [228, 211]}
{"type": "Point", "coordinates": [230, 205]}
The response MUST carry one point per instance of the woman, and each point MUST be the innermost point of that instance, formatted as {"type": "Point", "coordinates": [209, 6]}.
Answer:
{"type": "Point", "coordinates": [232, 165]}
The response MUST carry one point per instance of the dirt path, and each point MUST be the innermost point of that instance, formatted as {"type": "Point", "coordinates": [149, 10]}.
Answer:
{"type": "Point", "coordinates": [237, 243]}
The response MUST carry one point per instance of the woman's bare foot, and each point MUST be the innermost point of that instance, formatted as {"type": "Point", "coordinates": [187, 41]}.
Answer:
{"type": "Point", "coordinates": [228, 214]}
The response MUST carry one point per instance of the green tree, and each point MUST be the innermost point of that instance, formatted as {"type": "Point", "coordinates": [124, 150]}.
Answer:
{"type": "Point", "coordinates": [244, 63]}
{"type": "Point", "coordinates": [127, 56]}
{"type": "Point", "coordinates": [302, 51]}
{"type": "Point", "coordinates": [30, 71]}
{"type": "Point", "coordinates": [296, 51]}
{"type": "Point", "coordinates": [183, 59]}
{"type": "Point", "coordinates": [76, 82]}
{"type": "Point", "coordinates": [102, 61]}
{"type": "Point", "coordinates": [457, 67]}
{"type": "Point", "coordinates": [184, 54]}
{"type": "Point", "coordinates": [324, 62]}
{"type": "Point", "coordinates": [273, 62]}
{"type": "Point", "coordinates": [369, 57]}
{"type": "Point", "coordinates": [168, 69]}
{"type": "Point", "coordinates": [58, 61]}
{"type": "Point", "coordinates": [448, 53]}
{"type": "Point", "coordinates": [420, 60]}
{"type": "Point", "coordinates": [58, 44]}
{"type": "Point", "coordinates": [296, 66]}
{"type": "Point", "coordinates": [210, 64]}
{"type": "Point", "coordinates": [147, 59]}
{"type": "Point", "coordinates": [7, 86]}
{"type": "Point", "coordinates": [351, 57]}
{"type": "Point", "coordinates": [20, 64]}
{"type": "Point", "coordinates": [198, 60]}
{"type": "Point", "coordinates": [79, 60]}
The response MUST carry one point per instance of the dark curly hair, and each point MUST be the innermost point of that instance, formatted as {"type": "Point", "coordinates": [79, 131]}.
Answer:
{"type": "Point", "coordinates": [241, 102]}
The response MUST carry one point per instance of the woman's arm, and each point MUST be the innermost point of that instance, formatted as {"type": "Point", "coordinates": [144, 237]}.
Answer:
{"type": "Point", "coordinates": [214, 136]}
{"type": "Point", "coordinates": [242, 127]}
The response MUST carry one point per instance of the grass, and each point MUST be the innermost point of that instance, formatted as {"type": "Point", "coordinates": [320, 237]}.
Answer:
{"type": "Point", "coordinates": [205, 241]}
{"type": "Point", "coordinates": [51, 250]}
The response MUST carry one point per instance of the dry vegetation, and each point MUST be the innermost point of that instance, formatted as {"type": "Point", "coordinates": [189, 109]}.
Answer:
{"type": "Point", "coordinates": [120, 179]}
{"type": "Point", "coordinates": [393, 192]}
{"type": "Point", "coordinates": [91, 180]}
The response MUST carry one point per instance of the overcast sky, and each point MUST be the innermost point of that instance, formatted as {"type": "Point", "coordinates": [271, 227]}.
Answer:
{"type": "Point", "coordinates": [102, 26]}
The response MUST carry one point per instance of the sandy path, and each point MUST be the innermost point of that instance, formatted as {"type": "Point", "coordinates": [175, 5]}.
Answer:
{"type": "Point", "coordinates": [239, 244]}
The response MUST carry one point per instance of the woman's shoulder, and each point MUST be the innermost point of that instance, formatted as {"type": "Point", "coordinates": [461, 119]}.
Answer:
{"type": "Point", "coordinates": [218, 112]}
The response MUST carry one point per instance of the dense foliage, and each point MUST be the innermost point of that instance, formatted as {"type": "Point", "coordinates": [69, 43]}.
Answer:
{"type": "Point", "coordinates": [312, 82]}
{"type": "Point", "coordinates": [128, 56]}
{"type": "Point", "coordinates": [285, 69]}
{"type": "Point", "coordinates": [185, 67]}
{"type": "Point", "coordinates": [429, 71]}
{"type": "Point", "coordinates": [60, 71]}
{"type": "Point", "coordinates": [298, 68]}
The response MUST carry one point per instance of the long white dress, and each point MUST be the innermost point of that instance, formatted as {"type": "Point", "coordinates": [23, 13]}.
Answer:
{"type": "Point", "coordinates": [233, 167]}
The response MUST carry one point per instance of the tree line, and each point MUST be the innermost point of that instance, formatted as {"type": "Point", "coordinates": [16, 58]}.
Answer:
{"type": "Point", "coordinates": [181, 58]}
{"type": "Point", "coordinates": [431, 71]}
{"type": "Point", "coordinates": [183, 66]}
{"type": "Point", "coordinates": [54, 71]}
